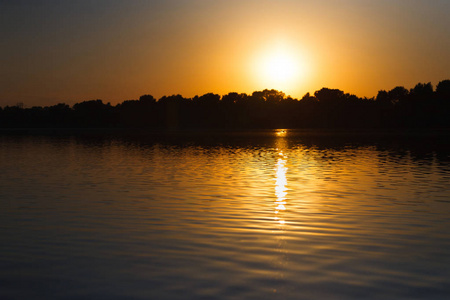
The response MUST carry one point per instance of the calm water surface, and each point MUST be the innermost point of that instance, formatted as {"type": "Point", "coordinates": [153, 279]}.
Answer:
{"type": "Point", "coordinates": [267, 215]}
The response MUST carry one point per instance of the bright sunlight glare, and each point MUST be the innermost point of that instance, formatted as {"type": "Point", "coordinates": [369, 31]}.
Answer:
{"type": "Point", "coordinates": [279, 67]}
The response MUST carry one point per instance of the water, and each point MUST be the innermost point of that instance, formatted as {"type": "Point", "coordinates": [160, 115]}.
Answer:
{"type": "Point", "coordinates": [263, 215]}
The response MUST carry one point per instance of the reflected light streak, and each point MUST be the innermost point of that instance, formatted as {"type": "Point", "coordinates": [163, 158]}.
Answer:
{"type": "Point", "coordinates": [281, 132]}
{"type": "Point", "coordinates": [280, 187]}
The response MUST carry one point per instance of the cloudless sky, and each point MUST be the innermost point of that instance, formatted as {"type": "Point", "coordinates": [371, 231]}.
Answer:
{"type": "Point", "coordinates": [55, 51]}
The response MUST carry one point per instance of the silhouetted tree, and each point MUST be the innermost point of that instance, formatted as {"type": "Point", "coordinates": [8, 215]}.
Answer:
{"type": "Point", "coordinates": [233, 98]}
{"type": "Point", "coordinates": [92, 113]}
{"type": "Point", "coordinates": [307, 98]}
{"type": "Point", "coordinates": [138, 113]}
{"type": "Point", "coordinates": [443, 89]}
{"type": "Point", "coordinates": [443, 103]}
{"type": "Point", "coordinates": [208, 99]}
{"type": "Point", "coordinates": [398, 94]}
{"type": "Point", "coordinates": [147, 99]}
{"type": "Point", "coordinates": [419, 107]}
{"type": "Point", "coordinates": [328, 96]}
{"type": "Point", "coordinates": [270, 96]}
{"type": "Point", "coordinates": [422, 90]}
{"type": "Point", "coordinates": [170, 109]}
{"type": "Point", "coordinates": [383, 98]}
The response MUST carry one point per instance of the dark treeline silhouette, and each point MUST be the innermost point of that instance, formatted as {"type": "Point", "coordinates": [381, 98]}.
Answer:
{"type": "Point", "coordinates": [419, 107]}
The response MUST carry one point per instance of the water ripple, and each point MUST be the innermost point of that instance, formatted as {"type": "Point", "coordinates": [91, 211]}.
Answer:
{"type": "Point", "coordinates": [269, 218]}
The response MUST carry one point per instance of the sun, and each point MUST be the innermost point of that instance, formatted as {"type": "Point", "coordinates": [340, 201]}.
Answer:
{"type": "Point", "coordinates": [279, 67]}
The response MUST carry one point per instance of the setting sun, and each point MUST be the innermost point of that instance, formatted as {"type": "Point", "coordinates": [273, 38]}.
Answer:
{"type": "Point", "coordinates": [280, 67]}
{"type": "Point", "coordinates": [198, 149]}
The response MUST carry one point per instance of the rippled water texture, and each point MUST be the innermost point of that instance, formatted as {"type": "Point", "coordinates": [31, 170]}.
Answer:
{"type": "Point", "coordinates": [268, 215]}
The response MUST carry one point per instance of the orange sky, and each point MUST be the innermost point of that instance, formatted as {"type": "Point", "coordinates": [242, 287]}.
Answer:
{"type": "Point", "coordinates": [69, 51]}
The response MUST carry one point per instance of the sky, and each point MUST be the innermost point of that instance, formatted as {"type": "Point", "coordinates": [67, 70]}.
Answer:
{"type": "Point", "coordinates": [54, 51]}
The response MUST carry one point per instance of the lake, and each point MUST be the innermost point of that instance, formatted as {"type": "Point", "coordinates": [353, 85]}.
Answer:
{"type": "Point", "coordinates": [276, 214]}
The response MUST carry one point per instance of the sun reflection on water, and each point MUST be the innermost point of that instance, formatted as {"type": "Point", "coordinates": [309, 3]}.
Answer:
{"type": "Point", "coordinates": [281, 132]}
{"type": "Point", "coordinates": [280, 188]}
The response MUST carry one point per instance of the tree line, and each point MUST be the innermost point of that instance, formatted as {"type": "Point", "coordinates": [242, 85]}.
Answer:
{"type": "Point", "coordinates": [420, 107]}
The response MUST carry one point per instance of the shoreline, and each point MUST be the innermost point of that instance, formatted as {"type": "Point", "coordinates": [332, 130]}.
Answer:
{"type": "Point", "coordinates": [413, 132]}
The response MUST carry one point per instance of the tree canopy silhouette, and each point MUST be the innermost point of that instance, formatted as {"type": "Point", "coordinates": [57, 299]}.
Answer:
{"type": "Point", "coordinates": [419, 107]}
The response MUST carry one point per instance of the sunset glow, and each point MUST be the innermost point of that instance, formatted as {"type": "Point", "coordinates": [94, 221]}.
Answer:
{"type": "Point", "coordinates": [74, 51]}
{"type": "Point", "coordinates": [226, 149]}
{"type": "Point", "coordinates": [279, 68]}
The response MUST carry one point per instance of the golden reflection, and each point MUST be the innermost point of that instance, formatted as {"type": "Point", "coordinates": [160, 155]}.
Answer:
{"type": "Point", "coordinates": [280, 188]}
{"type": "Point", "coordinates": [281, 132]}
